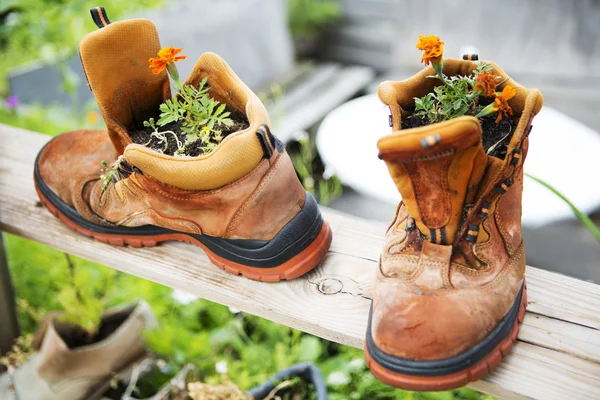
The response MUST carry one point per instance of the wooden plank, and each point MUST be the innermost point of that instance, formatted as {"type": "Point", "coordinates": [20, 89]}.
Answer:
{"type": "Point", "coordinates": [309, 101]}
{"type": "Point", "coordinates": [295, 94]}
{"type": "Point", "coordinates": [374, 35]}
{"type": "Point", "coordinates": [377, 59]}
{"type": "Point", "coordinates": [558, 350]}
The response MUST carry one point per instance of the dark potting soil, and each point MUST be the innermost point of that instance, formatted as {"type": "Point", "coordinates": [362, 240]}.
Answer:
{"type": "Point", "coordinates": [493, 132]}
{"type": "Point", "coordinates": [144, 136]}
{"type": "Point", "coordinates": [75, 336]}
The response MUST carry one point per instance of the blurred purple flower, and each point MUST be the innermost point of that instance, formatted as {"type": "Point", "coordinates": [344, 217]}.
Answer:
{"type": "Point", "coordinates": [11, 102]}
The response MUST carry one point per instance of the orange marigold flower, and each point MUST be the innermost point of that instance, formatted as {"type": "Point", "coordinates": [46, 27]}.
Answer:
{"type": "Point", "coordinates": [432, 48]}
{"type": "Point", "coordinates": [166, 55]}
{"type": "Point", "coordinates": [486, 83]}
{"type": "Point", "coordinates": [501, 102]}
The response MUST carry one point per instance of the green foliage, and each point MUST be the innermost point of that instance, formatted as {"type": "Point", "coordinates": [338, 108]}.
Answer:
{"type": "Point", "coordinates": [83, 299]}
{"type": "Point", "coordinates": [47, 30]}
{"type": "Point", "coordinates": [49, 120]}
{"type": "Point", "coordinates": [200, 116]}
{"type": "Point", "coordinates": [453, 98]}
{"type": "Point", "coordinates": [306, 17]}
{"type": "Point", "coordinates": [271, 97]}
{"type": "Point", "coordinates": [308, 166]}
{"type": "Point", "coordinates": [447, 101]}
{"type": "Point", "coordinates": [110, 173]}
{"type": "Point", "coordinates": [49, 280]}
{"type": "Point", "coordinates": [585, 220]}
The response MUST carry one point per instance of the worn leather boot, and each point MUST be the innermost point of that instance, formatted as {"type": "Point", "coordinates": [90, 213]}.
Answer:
{"type": "Point", "coordinates": [450, 288]}
{"type": "Point", "coordinates": [242, 203]}
{"type": "Point", "coordinates": [63, 370]}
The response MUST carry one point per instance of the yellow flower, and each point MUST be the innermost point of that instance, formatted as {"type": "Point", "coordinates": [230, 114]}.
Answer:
{"type": "Point", "coordinates": [501, 102]}
{"type": "Point", "coordinates": [166, 55]}
{"type": "Point", "coordinates": [486, 83]}
{"type": "Point", "coordinates": [92, 117]}
{"type": "Point", "coordinates": [432, 48]}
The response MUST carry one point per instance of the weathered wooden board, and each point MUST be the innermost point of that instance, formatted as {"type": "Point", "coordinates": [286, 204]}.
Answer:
{"type": "Point", "coordinates": [557, 355]}
{"type": "Point", "coordinates": [317, 90]}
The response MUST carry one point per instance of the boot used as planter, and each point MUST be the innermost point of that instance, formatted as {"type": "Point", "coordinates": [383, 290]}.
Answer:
{"type": "Point", "coordinates": [185, 385]}
{"type": "Point", "coordinates": [71, 365]}
{"type": "Point", "coordinates": [236, 196]}
{"type": "Point", "coordinates": [450, 289]}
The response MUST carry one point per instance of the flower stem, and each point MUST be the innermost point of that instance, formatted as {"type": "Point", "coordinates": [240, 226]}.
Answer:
{"type": "Point", "coordinates": [585, 220]}
{"type": "Point", "coordinates": [439, 68]}
{"type": "Point", "coordinates": [487, 110]}
{"type": "Point", "coordinates": [172, 70]}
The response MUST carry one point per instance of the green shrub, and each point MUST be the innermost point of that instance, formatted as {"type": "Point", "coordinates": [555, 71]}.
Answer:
{"type": "Point", "coordinates": [306, 17]}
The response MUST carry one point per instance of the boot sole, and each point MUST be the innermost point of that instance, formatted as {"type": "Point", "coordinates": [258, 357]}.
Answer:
{"type": "Point", "coordinates": [451, 373]}
{"type": "Point", "coordinates": [297, 249]}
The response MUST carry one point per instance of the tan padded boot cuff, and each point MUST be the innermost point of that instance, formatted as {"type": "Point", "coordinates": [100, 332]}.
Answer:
{"type": "Point", "coordinates": [233, 158]}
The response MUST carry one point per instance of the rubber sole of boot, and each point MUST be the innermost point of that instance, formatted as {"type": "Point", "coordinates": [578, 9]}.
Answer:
{"type": "Point", "coordinates": [451, 373]}
{"type": "Point", "coordinates": [298, 248]}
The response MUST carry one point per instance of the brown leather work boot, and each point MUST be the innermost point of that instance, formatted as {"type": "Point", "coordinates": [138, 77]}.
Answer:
{"type": "Point", "coordinates": [242, 203]}
{"type": "Point", "coordinates": [450, 287]}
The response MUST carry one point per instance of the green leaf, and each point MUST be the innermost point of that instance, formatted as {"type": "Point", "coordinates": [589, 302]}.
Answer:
{"type": "Point", "coordinates": [310, 349]}
{"type": "Point", "coordinates": [167, 118]}
{"type": "Point", "coordinates": [585, 220]}
{"type": "Point", "coordinates": [220, 110]}
{"type": "Point", "coordinates": [462, 110]}
{"type": "Point", "coordinates": [164, 107]}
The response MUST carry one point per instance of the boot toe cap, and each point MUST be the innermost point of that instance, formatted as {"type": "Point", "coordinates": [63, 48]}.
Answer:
{"type": "Point", "coordinates": [70, 158]}
{"type": "Point", "coordinates": [420, 325]}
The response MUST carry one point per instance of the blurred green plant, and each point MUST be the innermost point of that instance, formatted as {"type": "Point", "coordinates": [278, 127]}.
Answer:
{"type": "Point", "coordinates": [324, 186]}
{"type": "Point", "coordinates": [585, 220]}
{"type": "Point", "coordinates": [306, 17]}
{"type": "Point", "coordinates": [52, 120]}
{"type": "Point", "coordinates": [271, 98]}
{"type": "Point", "coordinates": [83, 297]}
{"type": "Point", "coordinates": [49, 30]}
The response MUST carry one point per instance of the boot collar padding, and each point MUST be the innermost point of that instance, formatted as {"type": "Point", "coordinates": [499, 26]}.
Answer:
{"type": "Point", "coordinates": [115, 61]}
{"type": "Point", "coordinates": [399, 95]}
{"type": "Point", "coordinates": [233, 158]}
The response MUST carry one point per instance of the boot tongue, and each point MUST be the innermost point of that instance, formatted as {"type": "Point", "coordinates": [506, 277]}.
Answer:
{"type": "Point", "coordinates": [115, 61]}
{"type": "Point", "coordinates": [437, 169]}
